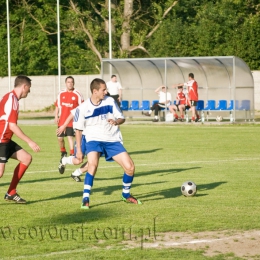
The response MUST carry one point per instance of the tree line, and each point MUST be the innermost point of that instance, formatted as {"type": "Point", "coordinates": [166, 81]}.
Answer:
{"type": "Point", "coordinates": [140, 29]}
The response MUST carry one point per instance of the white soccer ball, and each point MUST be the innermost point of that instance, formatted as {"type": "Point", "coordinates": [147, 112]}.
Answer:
{"type": "Point", "coordinates": [219, 118]}
{"type": "Point", "coordinates": [188, 188]}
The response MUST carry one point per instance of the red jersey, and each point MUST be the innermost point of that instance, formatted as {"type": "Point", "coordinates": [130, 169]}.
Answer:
{"type": "Point", "coordinates": [181, 98]}
{"type": "Point", "coordinates": [192, 90]}
{"type": "Point", "coordinates": [9, 108]}
{"type": "Point", "coordinates": [66, 101]}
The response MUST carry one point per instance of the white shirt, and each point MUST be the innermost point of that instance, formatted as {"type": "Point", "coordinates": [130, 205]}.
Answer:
{"type": "Point", "coordinates": [113, 87]}
{"type": "Point", "coordinates": [162, 96]}
{"type": "Point", "coordinates": [92, 120]}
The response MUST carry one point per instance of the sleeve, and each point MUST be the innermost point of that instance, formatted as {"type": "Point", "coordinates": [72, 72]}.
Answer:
{"type": "Point", "coordinates": [11, 110]}
{"type": "Point", "coordinates": [79, 120]}
{"type": "Point", "coordinates": [116, 110]}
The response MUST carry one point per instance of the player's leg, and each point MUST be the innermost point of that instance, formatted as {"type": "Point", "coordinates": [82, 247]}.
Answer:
{"type": "Point", "coordinates": [78, 172]}
{"type": "Point", "coordinates": [182, 109]}
{"type": "Point", "coordinates": [156, 112]}
{"type": "Point", "coordinates": [192, 108]}
{"type": "Point", "coordinates": [175, 109]}
{"type": "Point", "coordinates": [150, 111]}
{"type": "Point", "coordinates": [61, 143]}
{"type": "Point", "coordinates": [70, 136]}
{"type": "Point", "coordinates": [25, 160]}
{"type": "Point", "coordinates": [126, 162]}
{"type": "Point", "coordinates": [93, 159]}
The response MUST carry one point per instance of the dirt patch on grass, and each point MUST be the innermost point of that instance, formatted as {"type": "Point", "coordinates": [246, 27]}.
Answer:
{"type": "Point", "coordinates": [244, 244]}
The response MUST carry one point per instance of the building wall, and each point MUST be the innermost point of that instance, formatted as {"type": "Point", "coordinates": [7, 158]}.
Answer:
{"type": "Point", "coordinates": [45, 89]}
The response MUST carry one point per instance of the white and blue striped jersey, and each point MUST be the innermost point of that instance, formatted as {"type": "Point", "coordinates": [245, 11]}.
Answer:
{"type": "Point", "coordinates": [93, 120]}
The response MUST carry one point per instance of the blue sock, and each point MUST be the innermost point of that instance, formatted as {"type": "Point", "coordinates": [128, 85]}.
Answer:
{"type": "Point", "coordinates": [127, 181]}
{"type": "Point", "coordinates": [88, 183]}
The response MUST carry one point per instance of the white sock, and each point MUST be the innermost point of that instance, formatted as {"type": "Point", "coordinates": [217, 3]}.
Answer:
{"type": "Point", "coordinates": [150, 112]}
{"type": "Point", "coordinates": [77, 172]}
{"type": "Point", "coordinates": [156, 117]}
{"type": "Point", "coordinates": [67, 160]}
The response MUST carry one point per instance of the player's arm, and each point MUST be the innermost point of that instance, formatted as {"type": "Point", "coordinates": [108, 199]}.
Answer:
{"type": "Point", "coordinates": [120, 95]}
{"type": "Point", "coordinates": [158, 89]}
{"type": "Point", "coordinates": [62, 128]}
{"type": "Point", "coordinates": [78, 136]}
{"type": "Point", "coordinates": [177, 85]}
{"type": "Point", "coordinates": [118, 121]}
{"type": "Point", "coordinates": [20, 134]}
{"type": "Point", "coordinates": [56, 114]}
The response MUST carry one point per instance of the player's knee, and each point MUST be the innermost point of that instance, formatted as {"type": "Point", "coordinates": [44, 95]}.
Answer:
{"type": "Point", "coordinates": [130, 169]}
{"type": "Point", "coordinates": [27, 159]}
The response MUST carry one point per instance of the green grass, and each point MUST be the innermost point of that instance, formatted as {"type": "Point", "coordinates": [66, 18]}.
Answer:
{"type": "Point", "coordinates": [222, 160]}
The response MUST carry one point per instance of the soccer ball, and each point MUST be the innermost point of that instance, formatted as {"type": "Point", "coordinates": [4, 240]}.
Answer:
{"type": "Point", "coordinates": [219, 118]}
{"type": "Point", "coordinates": [188, 188]}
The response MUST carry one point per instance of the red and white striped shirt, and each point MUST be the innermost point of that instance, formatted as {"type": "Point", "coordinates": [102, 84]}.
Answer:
{"type": "Point", "coordinates": [9, 109]}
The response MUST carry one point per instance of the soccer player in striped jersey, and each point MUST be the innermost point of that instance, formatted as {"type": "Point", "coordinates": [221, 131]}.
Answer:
{"type": "Point", "coordinates": [67, 100]}
{"type": "Point", "coordinates": [98, 119]}
{"type": "Point", "coordinates": [9, 109]}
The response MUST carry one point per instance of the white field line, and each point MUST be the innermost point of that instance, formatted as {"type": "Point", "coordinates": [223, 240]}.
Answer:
{"type": "Point", "coordinates": [157, 164]}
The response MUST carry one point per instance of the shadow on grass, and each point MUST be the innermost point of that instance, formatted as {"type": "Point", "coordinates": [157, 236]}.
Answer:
{"type": "Point", "coordinates": [161, 172]}
{"type": "Point", "coordinates": [176, 192]}
{"type": "Point", "coordinates": [37, 180]}
{"type": "Point", "coordinates": [144, 152]}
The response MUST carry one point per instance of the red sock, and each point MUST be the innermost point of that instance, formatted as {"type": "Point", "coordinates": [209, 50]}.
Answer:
{"type": "Point", "coordinates": [72, 152]}
{"type": "Point", "coordinates": [176, 116]}
{"type": "Point", "coordinates": [63, 150]}
{"type": "Point", "coordinates": [193, 118]}
{"type": "Point", "coordinates": [18, 174]}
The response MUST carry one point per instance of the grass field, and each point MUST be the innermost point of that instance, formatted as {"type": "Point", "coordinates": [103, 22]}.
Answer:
{"type": "Point", "coordinates": [222, 160]}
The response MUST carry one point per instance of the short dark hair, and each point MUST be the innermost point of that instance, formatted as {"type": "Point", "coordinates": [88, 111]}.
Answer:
{"type": "Point", "coordinates": [95, 84]}
{"type": "Point", "coordinates": [191, 75]}
{"type": "Point", "coordinates": [70, 77]}
{"type": "Point", "coordinates": [113, 76]}
{"type": "Point", "coordinates": [21, 79]}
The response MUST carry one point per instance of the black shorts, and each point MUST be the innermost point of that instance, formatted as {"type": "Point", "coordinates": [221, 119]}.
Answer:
{"type": "Point", "coordinates": [193, 103]}
{"type": "Point", "coordinates": [7, 150]}
{"type": "Point", "coordinates": [68, 132]}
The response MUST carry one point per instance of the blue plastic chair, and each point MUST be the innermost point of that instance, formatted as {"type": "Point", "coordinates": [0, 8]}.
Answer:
{"type": "Point", "coordinates": [124, 105]}
{"type": "Point", "coordinates": [222, 105]}
{"type": "Point", "coordinates": [245, 105]}
{"type": "Point", "coordinates": [155, 101]}
{"type": "Point", "coordinates": [211, 105]}
{"type": "Point", "coordinates": [145, 105]}
{"type": "Point", "coordinates": [231, 105]}
{"type": "Point", "coordinates": [200, 105]}
{"type": "Point", "coordinates": [134, 105]}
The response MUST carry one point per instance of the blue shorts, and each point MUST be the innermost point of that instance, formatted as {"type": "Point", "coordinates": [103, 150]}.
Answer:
{"type": "Point", "coordinates": [83, 146]}
{"type": "Point", "coordinates": [108, 149]}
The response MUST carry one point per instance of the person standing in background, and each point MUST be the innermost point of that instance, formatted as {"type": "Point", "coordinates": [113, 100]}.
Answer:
{"type": "Point", "coordinates": [67, 100]}
{"type": "Point", "coordinates": [115, 90]}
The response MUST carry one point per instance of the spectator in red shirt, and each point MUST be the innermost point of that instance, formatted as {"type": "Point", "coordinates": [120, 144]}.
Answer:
{"type": "Point", "coordinates": [67, 100]}
{"type": "Point", "coordinates": [9, 109]}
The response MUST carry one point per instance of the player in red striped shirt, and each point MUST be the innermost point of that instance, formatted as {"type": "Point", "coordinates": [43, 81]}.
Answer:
{"type": "Point", "coordinates": [9, 109]}
{"type": "Point", "coordinates": [67, 100]}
